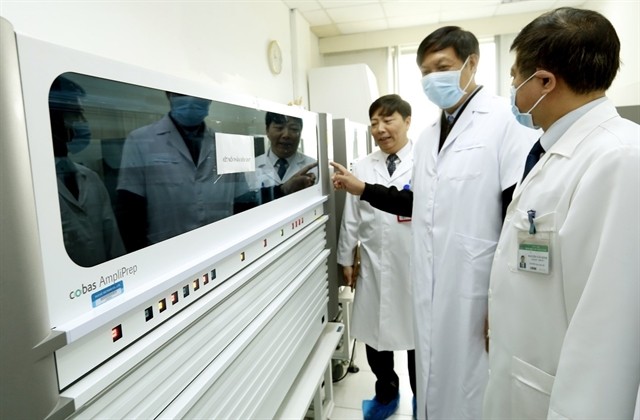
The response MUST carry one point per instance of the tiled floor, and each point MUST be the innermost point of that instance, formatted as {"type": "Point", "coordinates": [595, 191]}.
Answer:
{"type": "Point", "coordinates": [355, 387]}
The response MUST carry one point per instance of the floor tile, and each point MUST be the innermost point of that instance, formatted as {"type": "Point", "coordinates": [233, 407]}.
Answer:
{"type": "Point", "coordinates": [355, 387]}
{"type": "Point", "coordinates": [340, 413]}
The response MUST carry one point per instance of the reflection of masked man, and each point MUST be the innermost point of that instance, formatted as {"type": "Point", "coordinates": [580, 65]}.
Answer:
{"type": "Point", "coordinates": [168, 183]}
{"type": "Point", "coordinates": [88, 225]}
{"type": "Point", "coordinates": [283, 169]}
{"type": "Point", "coordinates": [188, 114]}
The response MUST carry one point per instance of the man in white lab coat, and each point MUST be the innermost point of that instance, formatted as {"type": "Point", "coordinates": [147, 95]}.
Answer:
{"type": "Point", "coordinates": [466, 165]}
{"type": "Point", "coordinates": [382, 316]}
{"type": "Point", "coordinates": [282, 169]}
{"type": "Point", "coordinates": [168, 182]}
{"type": "Point", "coordinates": [565, 330]}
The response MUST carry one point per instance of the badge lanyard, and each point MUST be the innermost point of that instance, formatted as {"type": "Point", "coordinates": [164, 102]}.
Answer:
{"type": "Point", "coordinates": [533, 248]}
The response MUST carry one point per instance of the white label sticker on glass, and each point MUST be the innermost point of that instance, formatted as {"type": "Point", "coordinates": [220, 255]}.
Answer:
{"type": "Point", "coordinates": [234, 153]}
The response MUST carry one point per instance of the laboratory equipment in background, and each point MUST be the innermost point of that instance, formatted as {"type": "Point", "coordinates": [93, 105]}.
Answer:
{"type": "Point", "coordinates": [343, 91]}
{"type": "Point", "coordinates": [351, 141]}
{"type": "Point", "coordinates": [216, 309]}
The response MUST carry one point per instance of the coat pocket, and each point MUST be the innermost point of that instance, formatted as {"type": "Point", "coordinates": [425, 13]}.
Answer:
{"type": "Point", "coordinates": [468, 162]}
{"type": "Point", "coordinates": [475, 257]}
{"type": "Point", "coordinates": [165, 170]}
{"type": "Point", "coordinates": [530, 390]}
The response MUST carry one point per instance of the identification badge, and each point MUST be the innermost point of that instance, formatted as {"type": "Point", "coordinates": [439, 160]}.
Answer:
{"type": "Point", "coordinates": [534, 252]}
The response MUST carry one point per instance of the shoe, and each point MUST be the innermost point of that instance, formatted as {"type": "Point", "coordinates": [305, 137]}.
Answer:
{"type": "Point", "coordinates": [374, 410]}
{"type": "Point", "coordinates": [415, 408]}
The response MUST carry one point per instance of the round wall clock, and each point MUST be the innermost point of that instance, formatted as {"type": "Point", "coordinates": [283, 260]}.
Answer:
{"type": "Point", "coordinates": [275, 57]}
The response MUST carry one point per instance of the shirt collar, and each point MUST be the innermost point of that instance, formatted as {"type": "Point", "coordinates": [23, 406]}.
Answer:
{"type": "Point", "coordinates": [558, 128]}
{"type": "Point", "coordinates": [455, 113]}
{"type": "Point", "coordinates": [402, 153]}
{"type": "Point", "coordinates": [273, 158]}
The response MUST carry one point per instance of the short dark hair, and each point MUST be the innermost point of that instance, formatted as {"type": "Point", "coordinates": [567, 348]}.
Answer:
{"type": "Point", "coordinates": [64, 96]}
{"type": "Point", "coordinates": [388, 105]}
{"type": "Point", "coordinates": [579, 46]}
{"type": "Point", "coordinates": [272, 117]}
{"type": "Point", "coordinates": [464, 43]}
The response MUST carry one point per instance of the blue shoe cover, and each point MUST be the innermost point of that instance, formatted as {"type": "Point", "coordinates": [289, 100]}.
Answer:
{"type": "Point", "coordinates": [373, 410]}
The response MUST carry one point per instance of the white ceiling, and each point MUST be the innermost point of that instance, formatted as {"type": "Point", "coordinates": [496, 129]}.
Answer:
{"type": "Point", "coordinates": [341, 17]}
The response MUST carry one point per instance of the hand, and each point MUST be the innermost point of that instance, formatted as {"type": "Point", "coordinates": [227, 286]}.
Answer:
{"type": "Point", "coordinates": [300, 180]}
{"type": "Point", "coordinates": [349, 278]}
{"type": "Point", "coordinates": [345, 180]}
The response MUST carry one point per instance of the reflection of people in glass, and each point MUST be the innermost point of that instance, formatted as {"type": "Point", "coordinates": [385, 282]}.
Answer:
{"type": "Point", "coordinates": [168, 183]}
{"type": "Point", "coordinates": [282, 169]}
{"type": "Point", "coordinates": [88, 224]}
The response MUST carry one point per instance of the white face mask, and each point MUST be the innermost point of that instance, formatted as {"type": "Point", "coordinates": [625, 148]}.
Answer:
{"type": "Point", "coordinates": [524, 118]}
{"type": "Point", "coordinates": [443, 87]}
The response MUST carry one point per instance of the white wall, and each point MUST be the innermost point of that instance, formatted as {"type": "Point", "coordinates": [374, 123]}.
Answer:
{"type": "Point", "coordinates": [367, 48]}
{"type": "Point", "coordinates": [219, 42]}
{"type": "Point", "coordinates": [505, 60]}
{"type": "Point", "coordinates": [305, 56]}
{"type": "Point", "coordinates": [624, 15]}
{"type": "Point", "coordinates": [230, 40]}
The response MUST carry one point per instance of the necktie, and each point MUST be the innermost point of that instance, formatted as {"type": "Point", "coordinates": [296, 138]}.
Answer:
{"type": "Point", "coordinates": [450, 120]}
{"type": "Point", "coordinates": [532, 158]}
{"type": "Point", "coordinates": [194, 144]}
{"type": "Point", "coordinates": [391, 163]}
{"type": "Point", "coordinates": [446, 123]}
{"type": "Point", "coordinates": [282, 165]}
{"type": "Point", "coordinates": [72, 184]}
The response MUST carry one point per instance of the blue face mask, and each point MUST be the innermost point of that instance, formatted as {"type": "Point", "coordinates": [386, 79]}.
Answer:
{"type": "Point", "coordinates": [524, 118]}
{"type": "Point", "coordinates": [443, 87]}
{"type": "Point", "coordinates": [189, 111]}
{"type": "Point", "coordinates": [80, 136]}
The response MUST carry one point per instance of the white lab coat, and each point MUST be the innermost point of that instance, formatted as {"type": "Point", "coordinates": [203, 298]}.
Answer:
{"type": "Point", "coordinates": [89, 227]}
{"type": "Point", "coordinates": [266, 174]}
{"type": "Point", "coordinates": [457, 214]}
{"type": "Point", "coordinates": [565, 344]}
{"type": "Point", "coordinates": [382, 314]}
{"type": "Point", "coordinates": [181, 196]}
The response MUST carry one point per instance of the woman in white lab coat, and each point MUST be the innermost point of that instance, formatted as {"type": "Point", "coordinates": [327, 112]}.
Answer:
{"type": "Point", "coordinates": [382, 312]}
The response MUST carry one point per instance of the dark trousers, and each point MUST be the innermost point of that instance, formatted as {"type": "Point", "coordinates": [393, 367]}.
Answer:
{"type": "Point", "coordinates": [387, 381]}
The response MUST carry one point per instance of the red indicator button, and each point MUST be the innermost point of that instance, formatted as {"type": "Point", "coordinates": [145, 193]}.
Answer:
{"type": "Point", "coordinates": [116, 333]}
